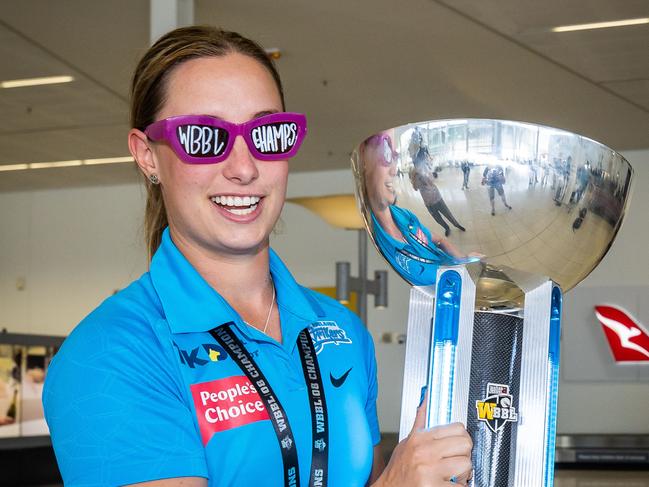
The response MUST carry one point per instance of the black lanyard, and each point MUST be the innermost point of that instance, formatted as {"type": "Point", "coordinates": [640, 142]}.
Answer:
{"type": "Point", "coordinates": [277, 415]}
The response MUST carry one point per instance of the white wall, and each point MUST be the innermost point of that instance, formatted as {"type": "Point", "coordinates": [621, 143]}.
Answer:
{"type": "Point", "coordinates": [74, 247]}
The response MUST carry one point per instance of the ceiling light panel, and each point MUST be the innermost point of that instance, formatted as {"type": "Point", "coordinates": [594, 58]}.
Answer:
{"type": "Point", "coordinates": [44, 80]}
{"type": "Point", "coordinates": [601, 25]}
{"type": "Point", "coordinates": [70, 163]}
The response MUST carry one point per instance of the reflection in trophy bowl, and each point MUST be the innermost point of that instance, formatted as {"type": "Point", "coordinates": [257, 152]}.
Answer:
{"type": "Point", "coordinates": [509, 194]}
{"type": "Point", "coordinates": [493, 293]}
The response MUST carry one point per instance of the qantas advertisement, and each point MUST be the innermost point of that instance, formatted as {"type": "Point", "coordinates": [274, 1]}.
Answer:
{"type": "Point", "coordinates": [627, 338]}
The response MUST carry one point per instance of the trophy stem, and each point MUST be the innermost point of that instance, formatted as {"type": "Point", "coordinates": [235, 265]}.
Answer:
{"type": "Point", "coordinates": [490, 364]}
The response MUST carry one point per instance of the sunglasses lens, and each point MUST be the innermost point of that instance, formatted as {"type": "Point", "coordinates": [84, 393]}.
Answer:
{"type": "Point", "coordinates": [202, 140]}
{"type": "Point", "coordinates": [387, 152]}
{"type": "Point", "coordinates": [276, 138]}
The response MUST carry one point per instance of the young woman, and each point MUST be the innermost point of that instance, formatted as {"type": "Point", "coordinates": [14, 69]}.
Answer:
{"type": "Point", "coordinates": [216, 367]}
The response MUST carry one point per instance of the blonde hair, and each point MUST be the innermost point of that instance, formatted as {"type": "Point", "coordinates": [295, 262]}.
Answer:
{"type": "Point", "coordinates": [148, 93]}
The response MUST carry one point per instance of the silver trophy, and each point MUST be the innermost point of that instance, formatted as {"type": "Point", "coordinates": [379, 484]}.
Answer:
{"type": "Point", "coordinates": [490, 221]}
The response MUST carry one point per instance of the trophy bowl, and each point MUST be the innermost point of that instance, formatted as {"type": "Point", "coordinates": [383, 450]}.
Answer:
{"type": "Point", "coordinates": [506, 193]}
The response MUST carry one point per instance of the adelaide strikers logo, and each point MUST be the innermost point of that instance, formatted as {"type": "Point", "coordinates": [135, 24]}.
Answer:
{"type": "Point", "coordinates": [326, 332]}
{"type": "Point", "coordinates": [497, 409]}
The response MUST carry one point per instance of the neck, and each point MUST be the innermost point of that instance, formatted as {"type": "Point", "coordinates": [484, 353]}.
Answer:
{"type": "Point", "coordinates": [384, 217]}
{"type": "Point", "coordinates": [243, 280]}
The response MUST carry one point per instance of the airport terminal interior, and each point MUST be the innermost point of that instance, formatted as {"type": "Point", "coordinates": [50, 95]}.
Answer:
{"type": "Point", "coordinates": [500, 149]}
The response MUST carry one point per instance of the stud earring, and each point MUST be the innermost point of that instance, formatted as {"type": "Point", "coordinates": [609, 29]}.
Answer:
{"type": "Point", "coordinates": [154, 179]}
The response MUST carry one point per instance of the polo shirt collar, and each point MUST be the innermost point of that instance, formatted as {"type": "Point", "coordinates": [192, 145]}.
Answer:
{"type": "Point", "coordinates": [190, 304]}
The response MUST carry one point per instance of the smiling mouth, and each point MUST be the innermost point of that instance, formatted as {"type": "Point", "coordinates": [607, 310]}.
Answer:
{"type": "Point", "coordinates": [237, 205]}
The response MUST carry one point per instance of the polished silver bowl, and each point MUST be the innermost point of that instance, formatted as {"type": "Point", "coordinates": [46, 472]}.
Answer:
{"type": "Point", "coordinates": [506, 194]}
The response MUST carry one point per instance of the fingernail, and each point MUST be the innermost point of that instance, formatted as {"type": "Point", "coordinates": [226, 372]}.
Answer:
{"type": "Point", "coordinates": [423, 395]}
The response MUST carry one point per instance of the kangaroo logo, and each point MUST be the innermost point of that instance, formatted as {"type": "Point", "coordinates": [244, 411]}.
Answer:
{"type": "Point", "coordinates": [628, 339]}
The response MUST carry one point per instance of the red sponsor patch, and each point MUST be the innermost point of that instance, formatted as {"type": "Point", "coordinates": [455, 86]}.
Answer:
{"type": "Point", "coordinates": [226, 403]}
{"type": "Point", "coordinates": [421, 236]}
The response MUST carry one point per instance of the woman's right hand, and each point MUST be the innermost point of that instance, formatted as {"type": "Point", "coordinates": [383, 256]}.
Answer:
{"type": "Point", "coordinates": [430, 458]}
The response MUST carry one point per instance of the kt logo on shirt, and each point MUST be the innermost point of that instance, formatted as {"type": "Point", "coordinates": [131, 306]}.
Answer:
{"type": "Point", "coordinates": [202, 355]}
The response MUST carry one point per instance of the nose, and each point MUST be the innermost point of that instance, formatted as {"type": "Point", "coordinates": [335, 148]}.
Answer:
{"type": "Point", "coordinates": [240, 166]}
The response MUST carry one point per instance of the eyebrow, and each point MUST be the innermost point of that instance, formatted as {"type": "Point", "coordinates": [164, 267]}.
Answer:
{"type": "Point", "coordinates": [263, 113]}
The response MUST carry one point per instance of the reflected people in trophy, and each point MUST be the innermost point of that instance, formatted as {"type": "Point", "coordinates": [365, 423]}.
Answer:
{"type": "Point", "coordinates": [494, 178]}
{"type": "Point", "coordinates": [545, 168]}
{"type": "Point", "coordinates": [412, 249]}
{"type": "Point", "coordinates": [562, 169]}
{"type": "Point", "coordinates": [533, 174]}
{"type": "Point", "coordinates": [583, 178]}
{"type": "Point", "coordinates": [466, 173]}
{"type": "Point", "coordinates": [422, 176]}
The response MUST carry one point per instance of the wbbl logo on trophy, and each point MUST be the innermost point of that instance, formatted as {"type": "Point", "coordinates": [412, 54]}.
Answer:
{"type": "Point", "coordinates": [497, 408]}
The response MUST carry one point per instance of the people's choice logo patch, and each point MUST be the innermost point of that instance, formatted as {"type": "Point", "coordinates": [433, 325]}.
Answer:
{"type": "Point", "coordinates": [225, 404]}
{"type": "Point", "coordinates": [497, 409]}
{"type": "Point", "coordinates": [326, 332]}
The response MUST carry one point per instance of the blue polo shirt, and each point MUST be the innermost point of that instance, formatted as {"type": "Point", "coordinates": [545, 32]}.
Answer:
{"type": "Point", "coordinates": [141, 391]}
{"type": "Point", "coordinates": [418, 258]}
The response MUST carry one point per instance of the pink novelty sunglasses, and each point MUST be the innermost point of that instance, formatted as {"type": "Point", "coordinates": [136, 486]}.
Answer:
{"type": "Point", "coordinates": [202, 139]}
{"type": "Point", "coordinates": [388, 154]}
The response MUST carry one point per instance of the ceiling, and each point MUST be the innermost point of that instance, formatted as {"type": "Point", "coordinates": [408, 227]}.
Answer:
{"type": "Point", "coordinates": [352, 67]}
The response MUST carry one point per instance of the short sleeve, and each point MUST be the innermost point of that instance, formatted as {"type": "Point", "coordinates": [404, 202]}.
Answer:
{"type": "Point", "coordinates": [372, 393]}
{"type": "Point", "coordinates": [115, 408]}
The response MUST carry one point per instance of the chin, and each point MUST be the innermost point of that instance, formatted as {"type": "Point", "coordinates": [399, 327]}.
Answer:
{"type": "Point", "coordinates": [244, 245]}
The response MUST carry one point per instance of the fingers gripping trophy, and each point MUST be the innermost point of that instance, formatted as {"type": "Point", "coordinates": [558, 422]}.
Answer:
{"type": "Point", "coordinates": [490, 221]}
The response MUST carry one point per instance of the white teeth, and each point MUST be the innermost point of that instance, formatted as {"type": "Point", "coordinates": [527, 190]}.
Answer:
{"type": "Point", "coordinates": [243, 211]}
{"type": "Point", "coordinates": [239, 202]}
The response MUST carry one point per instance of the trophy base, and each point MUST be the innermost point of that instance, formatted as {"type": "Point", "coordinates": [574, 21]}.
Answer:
{"type": "Point", "coordinates": [485, 340]}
